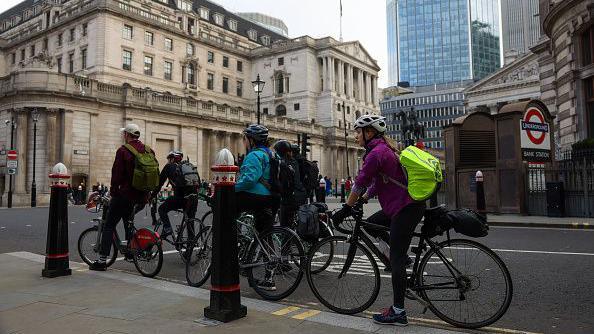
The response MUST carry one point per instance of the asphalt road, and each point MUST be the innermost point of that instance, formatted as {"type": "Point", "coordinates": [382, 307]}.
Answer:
{"type": "Point", "coordinates": [552, 269]}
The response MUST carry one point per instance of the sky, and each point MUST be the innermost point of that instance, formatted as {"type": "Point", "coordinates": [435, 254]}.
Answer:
{"type": "Point", "coordinates": [363, 20]}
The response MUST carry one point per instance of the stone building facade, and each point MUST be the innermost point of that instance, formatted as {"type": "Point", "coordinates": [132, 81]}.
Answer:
{"type": "Point", "coordinates": [566, 61]}
{"type": "Point", "coordinates": [181, 70]}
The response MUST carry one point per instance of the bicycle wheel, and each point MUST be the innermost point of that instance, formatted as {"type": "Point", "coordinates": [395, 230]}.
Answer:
{"type": "Point", "coordinates": [275, 269]}
{"type": "Point", "coordinates": [325, 232]}
{"type": "Point", "coordinates": [479, 294]}
{"type": "Point", "coordinates": [207, 219]}
{"type": "Point", "coordinates": [86, 247]}
{"type": "Point", "coordinates": [356, 290]}
{"type": "Point", "coordinates": [198, 264]}
{"type": "Point", "coordinates": [148, 260]}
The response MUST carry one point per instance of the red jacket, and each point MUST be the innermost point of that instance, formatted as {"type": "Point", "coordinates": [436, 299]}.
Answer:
{"type": "Point", "coordinates": [122, 172]}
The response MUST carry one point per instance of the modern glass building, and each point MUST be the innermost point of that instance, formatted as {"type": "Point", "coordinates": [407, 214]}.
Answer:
{"type": "Point", "coordinates": [441, 41]}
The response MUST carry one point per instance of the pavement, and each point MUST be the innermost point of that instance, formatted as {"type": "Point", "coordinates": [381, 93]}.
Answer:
{"type": "Point", "coordinates": [503, 219]}
{"type": "Point", "coordinates": [116, 302]}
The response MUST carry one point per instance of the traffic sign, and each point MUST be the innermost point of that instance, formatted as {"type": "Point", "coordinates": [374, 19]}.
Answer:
{"type": "Point", "coordinates": [11, 171]}
{"type": "Point", "coordinates": [12, 164]}
{"type": "Point", "coordinates": [12, 155]}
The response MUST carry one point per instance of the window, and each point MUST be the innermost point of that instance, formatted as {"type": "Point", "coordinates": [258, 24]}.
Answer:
{"type": "Point", "coordinates": [185, 6]}
{"type": "Point", "coordinates": [232, 25]}
{"type": "Point", "coordinates": [191, 27]}
{"type": "Point", "coordinates": [22, 54]}
{"type": "Point", "coordinates": [71, 35]}
{"type": "Point", "coordinates": [148, 65]}
{"type": "Point", "coordinates": [296, 107]}
{"type": "Point", "coordinates": [280, 84]}
{"type": "Point", "coordinates": [281, 110]}
{"type": "Point", "coordinates": [127, 32]}
{"type": "Point", "coordinates": [240, 88]}
{"type": "Point", "coordinates": [265, 40]}
{"type": "Point", "coordinates": [265, 111]}
{"type": "Point", "coordinates": [219, 19]}
{"type": "Point", "coordinates": [253, 35]}
{"type": "Point", "coordinates": [191, 74]}
{"type": "Point", "coordinates": [84, 29]}
{"type": "Point", "coordinates": [210, 81]}
{"type": "Point", "coordinates": [239, 66]}
{"type": "Point", "coordinates": [59, 63]}
{"type": "Point", "coordinates": [127, 60]}
{"type": "Point", "coordinates": [13, 58]}
{"type": "Point", "coordinates": [168, 44]}
{"type": "Point", "coordinates": [588, 46]}
{"type": "Point", "coordinates": [210, 57]}
{"type": "Point", "coordinates": [190, 49]}
{"type": "Point", "coordinates": [225, 85]}
{"type": "Point", "coordinates": [225, 61]}
{"type": "Point", "coordinates": [167, 70]}
{"type": "Point", "coordinates": [45, 44]}
{"type": "Point", "coordinates": [59, 39]}
{"type": "Point", "coordinates": [70, 62]}
{"type": "Point", "coordinates": [148, 38]}
{"type": "Point", "coordinates": [32, 51]}
{"type": "Point", "coordinates": [204, 13]}
{"type": "Point", "coordinates": [83, 57]}
{"type": "Point", "coordinates": [281, 61]}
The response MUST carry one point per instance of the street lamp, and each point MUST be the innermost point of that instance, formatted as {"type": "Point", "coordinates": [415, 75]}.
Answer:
{"type": "Point", "coordinates": [12, 127]}
{"type": "Point", "coordinates": [35, 117]}
{"type": "Point", "coordinates": [258, 88]}
{"type": "Point", "coordinates": [346, 144]}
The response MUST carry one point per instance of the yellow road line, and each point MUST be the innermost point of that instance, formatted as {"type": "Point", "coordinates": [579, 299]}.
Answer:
{"type": "Point", "coordinates": [286, 310]}
{"type": "Point", "coordinates": [307, 314]}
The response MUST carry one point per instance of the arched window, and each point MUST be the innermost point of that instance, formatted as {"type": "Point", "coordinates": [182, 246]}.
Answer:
{"type": "Point", "coordinates": [281, 110]}
{"type": "Point", "coordinates": [357, 114]}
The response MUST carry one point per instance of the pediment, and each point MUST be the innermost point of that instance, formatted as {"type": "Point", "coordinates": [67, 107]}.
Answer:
{"type": "Point", "coordinates": [523, 69]}
{"type": "Point", "coordinates": [356, 50]}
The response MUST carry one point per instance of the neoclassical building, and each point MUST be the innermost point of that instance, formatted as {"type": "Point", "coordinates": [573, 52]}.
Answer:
{"type": "Point", "coordinates": [80, 69]}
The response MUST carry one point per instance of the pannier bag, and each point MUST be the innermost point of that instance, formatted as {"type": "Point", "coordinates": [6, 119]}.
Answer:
{"type": "Point", "coordinates": [308, 225]}
{"type": "Point", "coordinates": [469, 222]}
{"type": "Point", "coordinates": [436, 222]}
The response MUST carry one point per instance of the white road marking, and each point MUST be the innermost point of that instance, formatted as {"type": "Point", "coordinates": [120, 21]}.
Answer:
{"type": "Point", "coordinates": [545, 228]}
{"type": "Point", "coordinates": [28, 225]}
{"type": "Point", "coordinates": [2, 227]}
{"type": "Point", "coordinates": [540, 252]}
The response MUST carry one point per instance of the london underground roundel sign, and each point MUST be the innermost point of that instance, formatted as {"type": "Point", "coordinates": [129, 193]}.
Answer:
{"type": "Point", "coordinates": [535, 136]}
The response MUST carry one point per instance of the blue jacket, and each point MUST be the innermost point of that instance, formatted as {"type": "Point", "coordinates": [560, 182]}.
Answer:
{"type": "Point", "coordinates": [255, 166]}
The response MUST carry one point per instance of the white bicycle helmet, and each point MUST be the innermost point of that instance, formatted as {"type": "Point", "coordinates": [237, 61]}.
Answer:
{"type": "Point", "coordinates": [377, 122]}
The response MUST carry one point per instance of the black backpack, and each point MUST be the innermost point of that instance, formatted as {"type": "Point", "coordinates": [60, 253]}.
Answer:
{"type": "Point", "coordinates": [282, 176]}
{"type": "Point", "coordinates": [308, 223]}
{"type": "Point", "coordinates": [187, 175]}
{"type": "Point", "coordinates": [309, 174]}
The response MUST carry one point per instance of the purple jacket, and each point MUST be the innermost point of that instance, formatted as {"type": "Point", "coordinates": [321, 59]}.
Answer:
{"type": "Point", "coordinates": [380, 159]}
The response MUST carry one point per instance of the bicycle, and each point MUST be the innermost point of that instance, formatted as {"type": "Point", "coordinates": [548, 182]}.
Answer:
{"type": "Point", "coordinates": [275, 254]}
{"type": "Point", "coordinates": [144, 249]}
{"type": "Point", "coordinates": [453, 276]}
{"type": "Point", "coordinates": [181, 239]}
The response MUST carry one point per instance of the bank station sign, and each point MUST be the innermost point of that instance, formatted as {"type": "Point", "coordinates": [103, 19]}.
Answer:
{"type": "Point", "coordinates": [535, 136]}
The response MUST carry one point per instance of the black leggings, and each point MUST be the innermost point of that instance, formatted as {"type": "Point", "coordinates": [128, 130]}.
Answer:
{"type": "Point", "coordinates": [401, 229]}
{"type": "Point", "coordinates": [262, 207]}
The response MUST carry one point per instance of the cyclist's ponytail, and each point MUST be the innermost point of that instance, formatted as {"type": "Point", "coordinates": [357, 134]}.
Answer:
{"type": "Point", "coordinates": [391, 144]}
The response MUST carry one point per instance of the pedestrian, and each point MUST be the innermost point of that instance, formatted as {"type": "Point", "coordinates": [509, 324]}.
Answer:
{"type": "Point", "coordinates": [126, 191]}
{"type": "Point", "coordinates": [321, 191]}
{"type": "Point", "coordinates": [79, 193]}
{"type": "Point", "coordinates": [348, 185]}
{"type": "Point", "coordinates": [291, 199]}
{"type": "Point", "coordinates": [328, 186]}
{"type": "Point", "coordinates": [398, 210]}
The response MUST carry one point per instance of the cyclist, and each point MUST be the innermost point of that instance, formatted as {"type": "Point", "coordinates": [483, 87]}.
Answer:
{"type": "Point", "coordinates": [399, 210]}
{"type": "Point", "coordinates": [124, 198]}
{"type": "Point", "coordinates": [292, 200]}
{"type": "Point", "coordinates": [252, 187]}
{"type": "Point", "coordinates": [172, 172]}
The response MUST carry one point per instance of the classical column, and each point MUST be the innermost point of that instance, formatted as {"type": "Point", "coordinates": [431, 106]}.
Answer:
{"type": "Point", "coordinates": [21, 145]}
{"type": "Point", "coordinates": [368, 88]}
{"type": "Point", "coordinates": [95, 129]}
{"type": "Point", "coordinates": [201, 162]}
{"type": "Point", "coordinates": [212, 142]}
{"type": "Point", "coordinates": [374, 90]}
{"type": "Point", "coordinates": [228, 142]}
{"type": "Point", "coordinates": [332, 74]}
{"type": "Point", "coordinates": [66, 133]}
{"type": "Point", "coordinates": [324, 73]}
{"type": "Point", "coordinates": [361, 94]}
{"type": "Point", "coordinates": [350, 81]}
{"type": "Point", "coordinates": [340, 77]}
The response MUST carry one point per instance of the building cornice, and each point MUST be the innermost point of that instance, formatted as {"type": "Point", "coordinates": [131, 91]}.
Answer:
{"type": "Point", "coordinates": [556, 11]}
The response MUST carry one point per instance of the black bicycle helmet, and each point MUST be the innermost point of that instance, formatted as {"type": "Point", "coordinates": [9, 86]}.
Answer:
{"type": "Point", "coordinates": [282, 147]}
{"type": "Point", "coordinates": [257, 132]}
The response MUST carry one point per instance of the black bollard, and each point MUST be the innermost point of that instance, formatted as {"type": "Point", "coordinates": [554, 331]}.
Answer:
{"type": "Point", "coordinates": [225, 298]}
{"type": "Point", "coordinates": [480, 194]}
{"type": "Point", "coordinates": [342, 193]}
{"type": "Point", "coordinates": [56, 249]}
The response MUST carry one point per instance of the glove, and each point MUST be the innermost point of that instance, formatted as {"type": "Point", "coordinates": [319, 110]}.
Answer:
{"type": "Point", "coordinates": [341, 214]}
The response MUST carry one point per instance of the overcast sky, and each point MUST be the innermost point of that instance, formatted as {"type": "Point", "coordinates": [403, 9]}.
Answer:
{"type": "Point", "coordinates": [362, 20]}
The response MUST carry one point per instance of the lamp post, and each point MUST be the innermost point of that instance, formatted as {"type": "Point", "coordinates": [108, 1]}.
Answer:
{"type": "Point", "coordinates": [35, 117]}
{"type": "Point", "coordinates": [258, 88]}
{"type": "Point", "coordinates": [12, 127]}
{"type": "Point", "coordinates": [346, 144]}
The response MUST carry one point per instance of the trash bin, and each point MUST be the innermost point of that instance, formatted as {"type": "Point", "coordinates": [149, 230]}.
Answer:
{"type": "Point", "coordinates": [555, 199]}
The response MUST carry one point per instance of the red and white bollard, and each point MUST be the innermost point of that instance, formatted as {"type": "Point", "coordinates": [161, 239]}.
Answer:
{"type": "Point", "coordinates": [480, 194]}
{"type": "Point", "coordinates": [56, 251]}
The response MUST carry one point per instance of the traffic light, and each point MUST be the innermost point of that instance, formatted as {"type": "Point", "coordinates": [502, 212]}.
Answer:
{"type": "Point", "coordinates": [304, 144]}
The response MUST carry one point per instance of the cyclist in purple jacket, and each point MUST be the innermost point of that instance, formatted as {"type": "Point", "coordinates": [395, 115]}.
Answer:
{"type": "Point", "coordinates": [399, 210]}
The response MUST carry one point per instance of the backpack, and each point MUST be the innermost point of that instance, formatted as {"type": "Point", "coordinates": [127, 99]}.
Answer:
{"type": "Point", "coordinates": [423, 173]}
{"type": "Point", "coordinates": [282, 176]}
{"type": "Point", "coordinates": [187, 175]}
{"type": "Point", "coordinates": [146, 169]}
{"type": "Point", "coordinates": [309, 175]}
{"type": "Point", "coordinates": [308, 224]}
